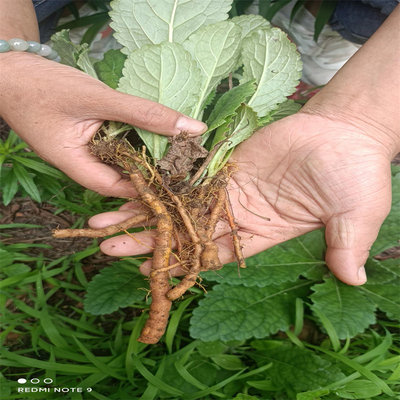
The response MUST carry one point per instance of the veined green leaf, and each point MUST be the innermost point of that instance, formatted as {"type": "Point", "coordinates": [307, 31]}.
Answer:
{"type": "Point", "coordinates": [389, 234]}
{"type": "Point", "coordinates": [236, 313]}
{"type": "Point", "coordinates": [283, 110]}
{"type": "Point", "coordinates": [296, 369]}
{"type": "Point", "coordinates": [166, 74]}
{"type": "Point", "coordinates": [228, 103]}
{"type": "Point", "coordinates": [272, 60]}
{"type": "Point", "coordinates": [74, 55]}
{"type": "Point", "coordinates": [171, 20]}
{"type": "Point", "coordinates": [109, 69]}
{"type": "Point", "coordinates": [65, 48]}
{"type": "Point", "coordinates": [251, 23]}
{"type": "Point", "coordinates": [242, 127]}
{"type": "Point", "coordinates": [216, 49]}
{"type": "Point", "coordinates": [114, 287]}
{"type": "Point", "coordinates": [303, 255]}
{"type": "Point", "coordinates": [383, 271]}
{"type": "Point", "coordinates": [385, 296]}
{"type": "Point", "coordinates": [345, 306]}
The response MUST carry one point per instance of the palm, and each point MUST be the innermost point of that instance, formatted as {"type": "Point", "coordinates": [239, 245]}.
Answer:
{"type": "Point", "coordinates": [297, 175]}
{"type": "Point", "coordinates": [305, 172]}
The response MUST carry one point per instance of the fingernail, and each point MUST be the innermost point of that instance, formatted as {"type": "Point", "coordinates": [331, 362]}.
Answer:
{"type": "Point", "coordinates": [362, 276]}
{"type": "Point", "coordinates": [190, 125]}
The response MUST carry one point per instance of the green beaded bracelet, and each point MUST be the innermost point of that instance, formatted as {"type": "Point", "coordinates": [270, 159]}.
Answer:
{"type": "Point", "coordinates": [30, 46]}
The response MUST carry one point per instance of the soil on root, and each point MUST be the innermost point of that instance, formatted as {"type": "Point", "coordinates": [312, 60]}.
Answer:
{"type": "Point", "coordinates": [185, 213]}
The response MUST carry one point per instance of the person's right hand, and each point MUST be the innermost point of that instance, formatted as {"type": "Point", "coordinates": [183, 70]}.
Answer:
{"type": "Point", "coordinates": [57, 109]}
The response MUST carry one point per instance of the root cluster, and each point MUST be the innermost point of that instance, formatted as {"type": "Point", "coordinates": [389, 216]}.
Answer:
{"type": "Point", "coordinates": [187, 217]}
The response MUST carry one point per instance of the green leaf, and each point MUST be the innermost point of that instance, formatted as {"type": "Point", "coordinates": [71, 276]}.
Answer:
{"type": "Point", "coordinates": [358, 389]}
{"type": "Point", "coordinates": [229, 362]}
{"type": "Point", "coordinates": [84, 63]}
{"type": "Point", "coordinates": [296, 369]}
{"type": "Point", "coordinates": [236, 313]}
{"type": "Point", "coordinates": [382, 271]}
{"type": "Point", "coordinates": [65, 48]}
{"type": "Point", "coordinates": [389, 234]}
{"type": "Point", "coordinates": [284, 109]}
{"type": "Point", "coordinates": [243, 126]}
{"type": "Point", "coordinates": [285, 262]}
{"type": "Point", "coordinates": [365, 371]}
{"type": "Point", "coordinates": [208, 349]}
{"type": "Point", "coordinates": [324, 13]}
{"type": "Point", "coordinates": [216, 49]}
{"type": "Point", "coordinates": [268, 8]}
{"type": "Point", "coordinates": [250, 23]}
{"type": "Point", "coordinates": [109, 69]}
{"type": "Point", "coordinates": [16, 269]}
{"type": "Point", "coordinates": [385, 296]}
{"type": "Point", "coordinates": [312, 395]}
{"type": "Point", "coordinates": [101, 17]}
{"type": "Point", "coordinates": [272, 60]}
{"type": "Point", "coordinates": [39, 166]}
{"type": "Point", "coordinates": [166, 74]}
{"type": "Point", "coordinates": [151, 22]}
{"type": "Point", "coordinates": [345, 306]}
{"type": "Point", "coordinates": [228, 103]}
{"type": "Point", "coordinates": [74, 55]}
{"type": "Point", "coordinates": [116, 286]}
{"type": "Point", "coordinates": [26, 182]}
{"type": "Point", "coordinates": [9, 186]}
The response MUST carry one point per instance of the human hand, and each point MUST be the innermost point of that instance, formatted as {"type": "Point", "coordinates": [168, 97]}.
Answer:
{"type": "Point", "coordinates": [301, 173]}
{"type": "Point", "coordinates": [57, 109]}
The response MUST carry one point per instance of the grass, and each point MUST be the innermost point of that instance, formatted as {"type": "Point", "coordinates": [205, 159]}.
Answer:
{"type": "Point", "coordinates": [47, 334]}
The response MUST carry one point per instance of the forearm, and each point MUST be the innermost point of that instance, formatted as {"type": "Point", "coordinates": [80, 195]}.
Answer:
{"type": "Point", "coordinates": [367, 89]}
{"type": "Point", "coordinates": [18, 20]}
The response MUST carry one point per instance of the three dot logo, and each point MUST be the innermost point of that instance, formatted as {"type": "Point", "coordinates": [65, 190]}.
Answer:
{"type": "Point", "coordinates": [35, 381]}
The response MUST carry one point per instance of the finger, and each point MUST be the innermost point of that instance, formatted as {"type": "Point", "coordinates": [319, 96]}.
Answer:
{"type": "Point", "coordinates": [91, 173]}
{"type": "Point", "coordinates": [146, 114]}
{"type": "Point", "coordinates": [129, 245]}
{"type": "Point", "coordinates": [349, 237]}
{"type": "Point", "coordinates": [132, 206]}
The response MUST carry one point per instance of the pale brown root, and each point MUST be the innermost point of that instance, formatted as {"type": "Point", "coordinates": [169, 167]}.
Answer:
{"type": "Point", "coordinates": [108, 230]}
{"type": "Point", "coordinates": [234, 232]}
{"type": "Point", "coordinates": [216, 212]}
{"type": "Point", "coordinates": [205, 256]}
{"type": "Point", "coordinates": [159, 285]}
{"type": "Point", "coordinates": [190, 278]}
{"type": "Point", "coordinates": [157, 271]}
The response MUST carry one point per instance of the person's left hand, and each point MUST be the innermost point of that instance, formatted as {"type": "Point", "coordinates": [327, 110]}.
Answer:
{"type": "Point", "coordinates": [301, 173]}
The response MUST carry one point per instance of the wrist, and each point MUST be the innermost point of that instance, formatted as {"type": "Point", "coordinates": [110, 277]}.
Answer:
{"type": "Point", "coordinates": [372, 121]}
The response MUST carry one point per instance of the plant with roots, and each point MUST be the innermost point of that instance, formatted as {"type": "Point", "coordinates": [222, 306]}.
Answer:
{"type": "Point", "coordinates": [177, 53]}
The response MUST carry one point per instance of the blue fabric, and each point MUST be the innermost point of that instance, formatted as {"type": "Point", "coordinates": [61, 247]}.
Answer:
{"type": "Point", "coordinates": [357, 20]}
{"type": "Point", "coordinates": [48, 13]}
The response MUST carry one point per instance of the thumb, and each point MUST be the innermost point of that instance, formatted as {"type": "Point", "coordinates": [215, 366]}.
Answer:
{"type": "Point", "coordinates": [349, 237]}
{"type": "Point", "coordinates": [146, 114]}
